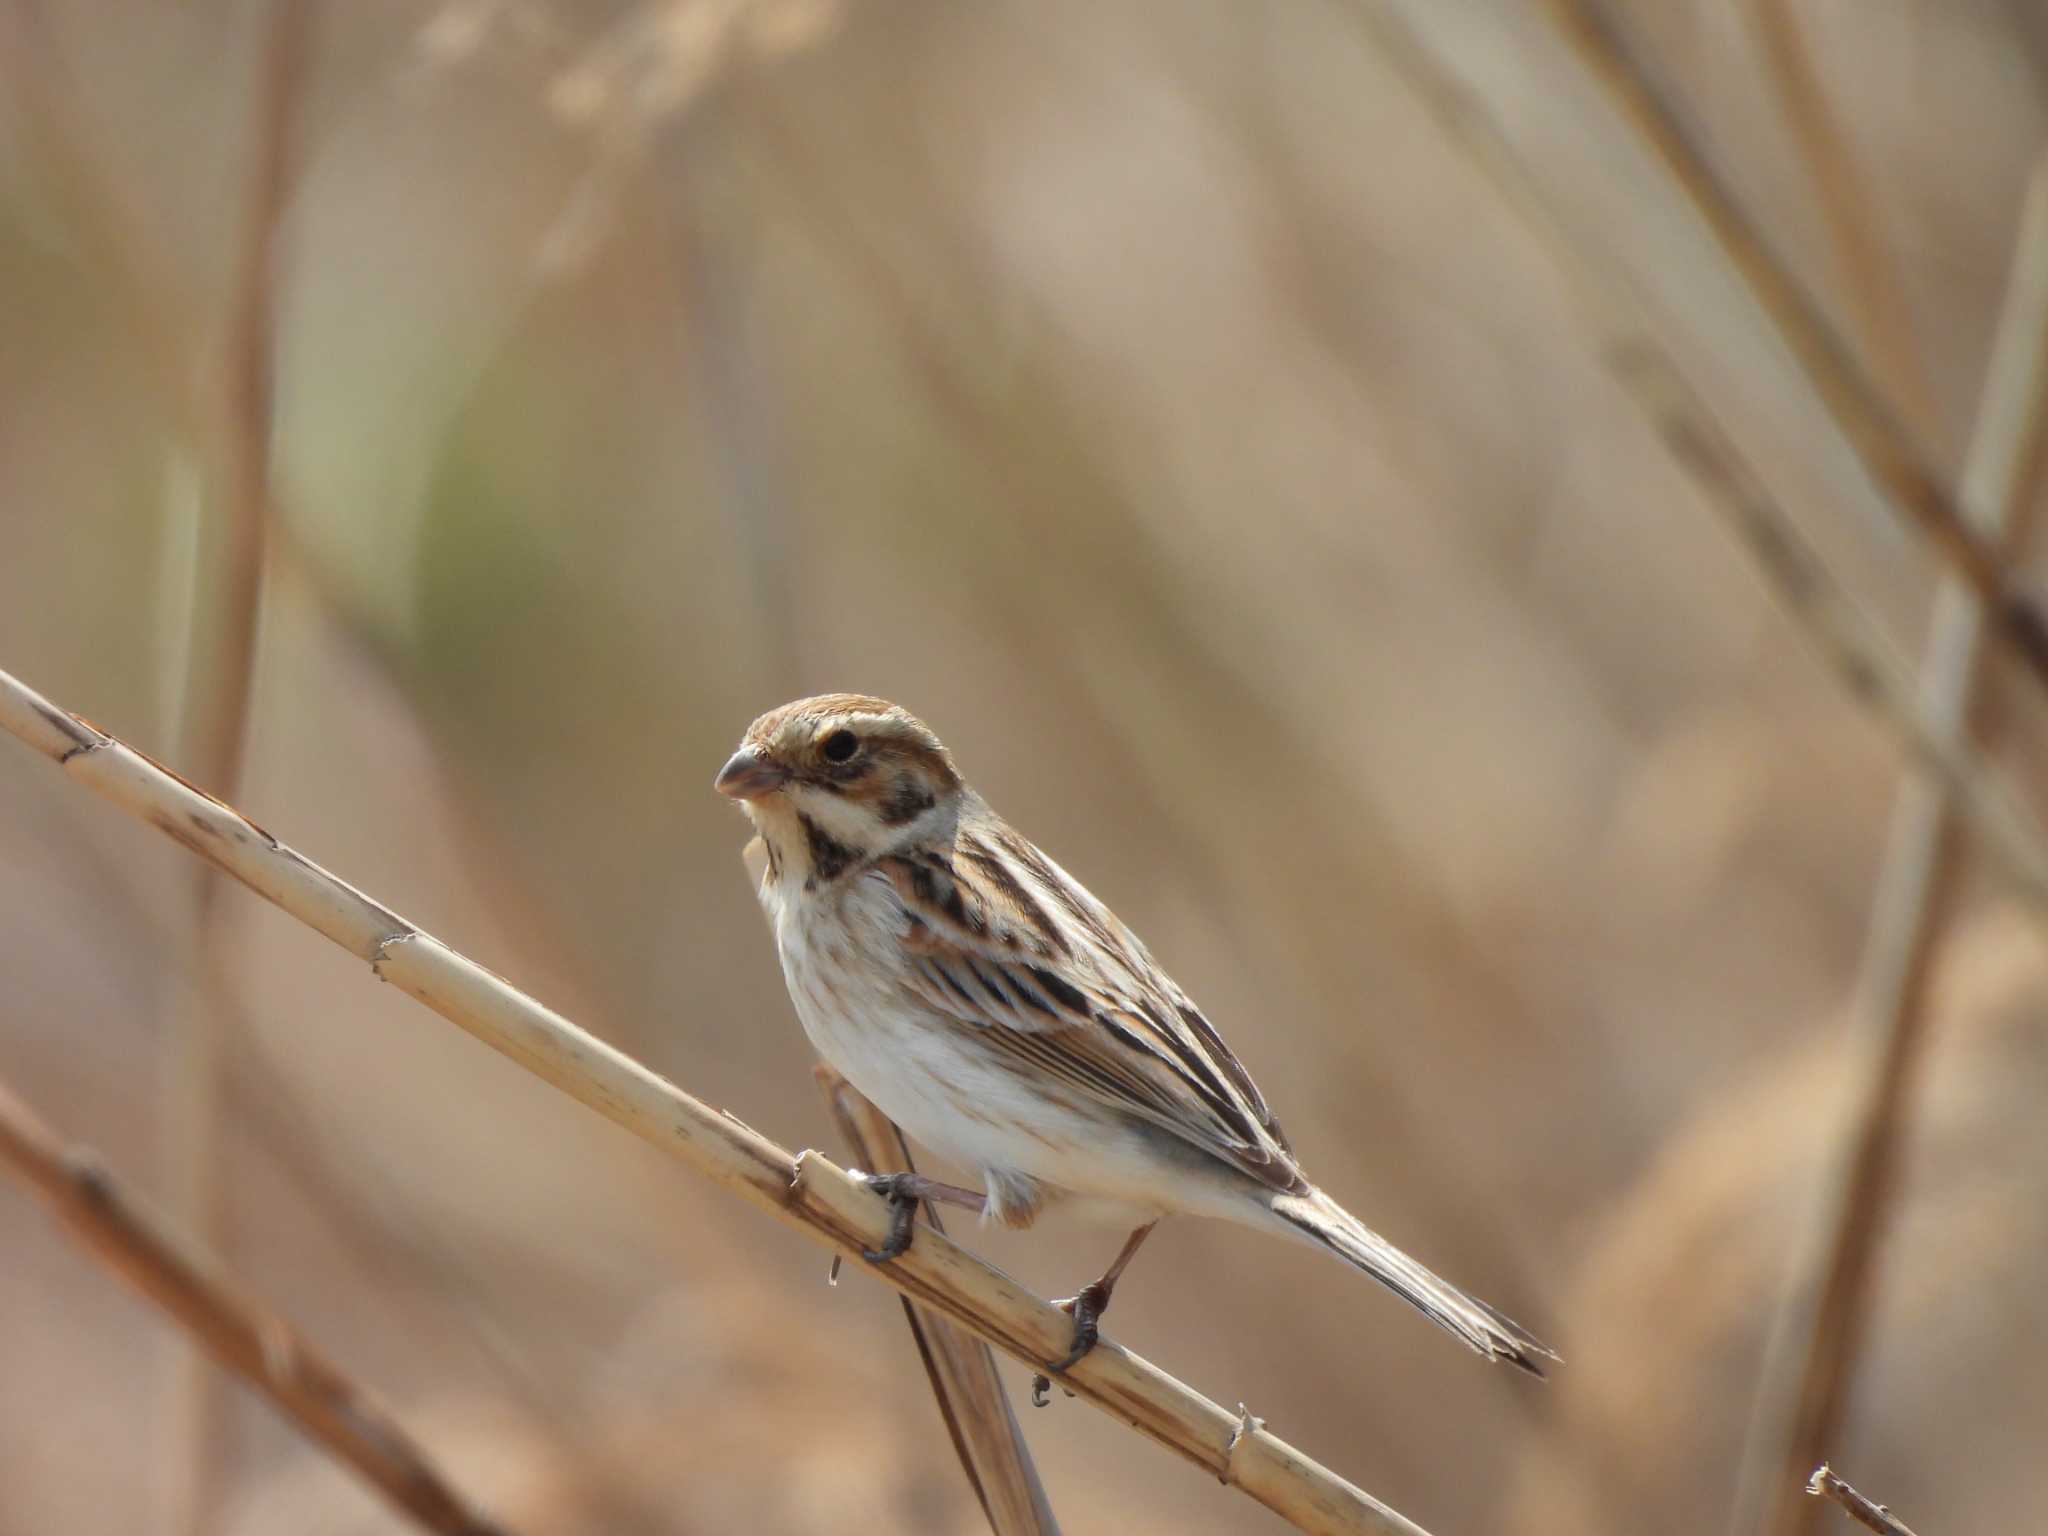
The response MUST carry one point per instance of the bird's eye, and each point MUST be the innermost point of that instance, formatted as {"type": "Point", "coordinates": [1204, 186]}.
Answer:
{"type": "Point", "coordinates": [840, 746]}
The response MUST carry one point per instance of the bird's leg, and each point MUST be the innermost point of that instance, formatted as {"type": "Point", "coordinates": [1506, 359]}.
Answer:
{"type": "Point", "coordinates": [1089, 1303]}
{"type": "Point", "coordinates": [904, 1191]}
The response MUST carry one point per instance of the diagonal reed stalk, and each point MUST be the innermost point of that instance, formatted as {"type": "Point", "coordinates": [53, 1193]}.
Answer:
{"type": "Point", "coordinates": [1824, 1484]}
{"type": "Point", "coordinates": [1926, 714]}
{"type": "Point", "coordinates": [1891, 458]}
{"type": "Point", "coordinates": [1865, 274]}
{"type": "Point", "coordinates": [124, 1236]}
{"type": "Point", "coordinates": [1819, 1324]}
{"type": "Point", "coordinates": [961, 1368]}
{"type": "Point", "coordinates": [802, 1189]}
{"type": "Point", "coordinates": [1625, 334]}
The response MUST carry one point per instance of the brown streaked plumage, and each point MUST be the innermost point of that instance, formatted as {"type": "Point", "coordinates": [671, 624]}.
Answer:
{"type": "Point", "coordinates": [998, 1012]}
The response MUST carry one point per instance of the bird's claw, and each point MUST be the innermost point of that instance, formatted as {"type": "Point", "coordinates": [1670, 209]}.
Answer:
{"type": "Point", "coordinates": [900, 1190]}
{"type": "Point", "coordinates": [1041, 1391]}
{"type": "Point", "coordinates": [1086, 1307]}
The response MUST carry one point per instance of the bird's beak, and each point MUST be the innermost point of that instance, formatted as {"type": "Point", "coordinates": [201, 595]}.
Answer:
{"type": "Point", "coordinates": [748, 776]}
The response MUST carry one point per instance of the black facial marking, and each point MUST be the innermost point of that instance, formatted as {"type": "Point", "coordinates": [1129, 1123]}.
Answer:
{"type": "Point", "coordinates": [830, 858]}
{"type": "Point", "coordinates": [908, 799]}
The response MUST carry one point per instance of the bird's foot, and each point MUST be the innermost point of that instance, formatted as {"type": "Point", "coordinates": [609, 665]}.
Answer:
{"type": "Point", "coordinates": [1086, 1307]}
{"type": "Point", "coordinates": [903, 1191]}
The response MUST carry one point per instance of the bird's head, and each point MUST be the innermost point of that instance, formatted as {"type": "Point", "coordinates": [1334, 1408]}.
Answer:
{"type": "Point", "coordinates": [837, 781]}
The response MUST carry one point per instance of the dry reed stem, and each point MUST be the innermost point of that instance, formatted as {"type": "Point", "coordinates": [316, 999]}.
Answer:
{"type": "Point", "coordinates": [214, 722]}
{"type": "Point", "coordinates": [1825, 1485]}
{"type": "Point", "coordinates": [1868, 277]}
{"type": "Point", "coordinates": [805, 1190]}
{"type": "Point", "coordinates": [246, 1338]}
{"type": "Point", "coordinates": [961, 1368]}
{"type": "Point", "coordinates": [1893, 461]}
{"type": "Point", "coordinates": [1853, 644]}
{"type": "Point", "coordinates": [1819, 1325]}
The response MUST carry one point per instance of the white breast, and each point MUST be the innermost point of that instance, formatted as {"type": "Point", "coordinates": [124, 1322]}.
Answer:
{"type": "Point", "coordinates": [843, 959]}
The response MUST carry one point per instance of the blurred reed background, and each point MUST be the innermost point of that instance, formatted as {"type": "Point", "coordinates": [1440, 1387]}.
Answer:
{"type": "Point", "coordinates": [1150, 396]}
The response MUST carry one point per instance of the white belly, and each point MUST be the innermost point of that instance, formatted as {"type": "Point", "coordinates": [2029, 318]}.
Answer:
{"type": "Point", "coordinates": [842, 964]}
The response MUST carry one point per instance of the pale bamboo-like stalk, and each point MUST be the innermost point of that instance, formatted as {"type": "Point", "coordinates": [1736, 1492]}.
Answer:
{"type": "Point", "coordinates": [804, 1189]}
{"type": "Point", "coordinates": [214, 723]}
{"type": "Point", "coordinates": [961, 1368]}
{"type": "Point", "coordinates": [187, 1283]}
{"type": "Point", "coordinates": [1852, 643]}
{"type": "Point", "coordinates": [1893, 461]}
{"type": "Point", "coordinates": [1819, 1324]}
{"type": "Point", "coordinates": [1824, 1484]}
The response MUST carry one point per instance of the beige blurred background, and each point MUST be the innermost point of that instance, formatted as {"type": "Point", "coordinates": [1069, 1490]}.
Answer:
{"type": "Point", "coordinates": [1148, 396]}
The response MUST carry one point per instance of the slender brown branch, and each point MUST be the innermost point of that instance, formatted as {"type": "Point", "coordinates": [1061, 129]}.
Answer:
{"type": "Point", "coordinates": [804, 1189]}
{"type": "Point", "coordinates": [1848, 639]}
{"type": "Point", "coordinates": [1868, 277]}
{"type": "Point", "coordinates": [962, 1369]}
{"type": "Point", "coordinates": [1890, 457]}
{"type": "Point", "coordinates": [1819, 1326]}
{"type": "Point", "coordinates": [1825, 1485]}
{"type": "Point", "coordinates": [241, 1335]}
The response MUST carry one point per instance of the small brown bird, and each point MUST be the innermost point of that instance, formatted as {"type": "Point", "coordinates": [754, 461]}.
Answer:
{"type": "Point", "coordinates": [1004, 1017]}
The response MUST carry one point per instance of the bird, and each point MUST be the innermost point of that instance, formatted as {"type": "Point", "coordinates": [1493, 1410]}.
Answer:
{"type": "Point", "coordinates": [1004, 1017]}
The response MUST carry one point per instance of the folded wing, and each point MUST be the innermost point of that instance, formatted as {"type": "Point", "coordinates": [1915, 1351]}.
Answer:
{"type": "Point", "coordinates": [1006, 944]}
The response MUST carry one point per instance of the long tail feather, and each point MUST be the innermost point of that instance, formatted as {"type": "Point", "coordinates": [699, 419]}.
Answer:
{"type": "Point", "coordinates": [1493, 1334]}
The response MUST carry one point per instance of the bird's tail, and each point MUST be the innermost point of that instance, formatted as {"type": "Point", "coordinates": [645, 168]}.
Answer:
{"type": "Point", "coordinates": [1321, 1220]}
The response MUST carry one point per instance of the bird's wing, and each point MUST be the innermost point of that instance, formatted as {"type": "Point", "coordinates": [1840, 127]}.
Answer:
{"type": "Point", "coordinates": [1004, 942]}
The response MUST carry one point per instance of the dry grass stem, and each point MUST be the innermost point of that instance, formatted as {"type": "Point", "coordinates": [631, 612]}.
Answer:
{"type": "Point", "coordinates": [214, 716]}
{"type": "Point", "coordinates": [246, 1338]}
{"type": "Point", "coordinates": [962, 1369]}
{"type": "Point", "coordinates": [1814, 1339]}
{"type": "Point", "coordinates": [1852, 643]}
{"type": "Point", "coordinates": [1825, 1485]}
{"type": "Point", "coordinates": [1868, 277]}
{"type": "Point", "coordinates": [805, 1190]}
{"type": "Point", "coordinates": [1893, 460]}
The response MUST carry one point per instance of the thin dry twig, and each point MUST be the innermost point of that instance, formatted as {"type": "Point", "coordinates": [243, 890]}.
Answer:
{"type": "Point", "coordinates": [1825, 1485]}
{"type": "Point", "coordinates": [1851, 642]}
{"type": "Point", "coordinates": [805, 1190]}
{"type": "Point", "coordinates": [1868, 277]}
{"type": "Point", "coordinates": [1890, 457]}
{"type": "Point", "coordinates": [214, 717]}
{"type": "Point", "coordinates": [1814, 1338]}
{"type": "Point", "coordinates": [241, 1335]}
{"type": "Point", "coordinates": [962, 1369]}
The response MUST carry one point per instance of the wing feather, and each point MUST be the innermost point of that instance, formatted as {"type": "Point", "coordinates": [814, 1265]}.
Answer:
{"type": "Point", "coordinates": [1013, 949]}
